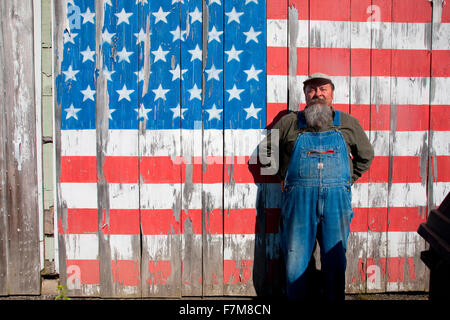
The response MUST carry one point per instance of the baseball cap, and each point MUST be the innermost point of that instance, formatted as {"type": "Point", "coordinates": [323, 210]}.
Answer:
{"type": "Point", "coordinates": [323, 78]}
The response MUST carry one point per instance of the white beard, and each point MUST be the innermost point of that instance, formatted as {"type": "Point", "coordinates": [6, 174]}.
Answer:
{"type": "Point", "coordinates": [319, 116]}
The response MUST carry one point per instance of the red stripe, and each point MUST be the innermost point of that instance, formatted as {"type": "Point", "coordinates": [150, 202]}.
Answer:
{"type": "Point", "coordinates": [237, 271]}
{"type": "Point", "coordinates": [275, 111]}
{"type": "Point", "coordinates": [84, 271]}
{"type": "Point", "coordinates": [165, 221]}
{"type": "Point", "coordinates": [81, 221]}
{"type": "Point", "coordinates": [359, 62]}
{"type": "Point", "coordinates": [407, 117]}
{"type": "Point", "coordinates": [413, 11]}
{"type": "Point", "coordinates": [441, 63]}
{"type": "Point", "coordinates": [126, 272]}
{"type": "Point", "coordinates": [277, 9]}
{"type": "Point", "coordinates": [445, 12]}
{"type": "Point", "coordinates": [440, 168]}
{"type": "Point", "coordinates": [394, 219]}
{"type": "Point", "coordinates": [277, 60]}
{"type": "Point", "coordinates": [395, 267]}
{"type": "Point", "coordinates": [404, 169]}
{"type": "Point", "coordinates": [440, 116]}
{"type": "Point", "coordinates": [78, 169]}
{"type": "Point", "coordinates": [159, 271]}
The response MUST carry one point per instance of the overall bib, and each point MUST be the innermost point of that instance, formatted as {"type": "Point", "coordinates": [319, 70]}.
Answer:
{"type": "Point", "coordinates": [316, 202]}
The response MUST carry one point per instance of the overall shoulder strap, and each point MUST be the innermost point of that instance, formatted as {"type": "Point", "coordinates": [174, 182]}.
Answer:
{"type": "Point", "coordinates": [301, 121]}
{"type": "Point", "coordinates": [337, 118]}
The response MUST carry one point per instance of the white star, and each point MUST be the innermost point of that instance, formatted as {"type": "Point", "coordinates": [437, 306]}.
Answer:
{"type": "Point", "coordinates": [160, 54]}
{"type": "Point", "coordinates": [176, 1]}
{"type": "Point", "coordinates": [252, 35]}
{"type": "Point", "coordinates": [252, 73]}
{"type": "Point", "coordinates": [248, 1]}
{"type": "Point", "coordinates": [71, 74]}
{"type": "Point", "coordinates": [142, 112]}
{"type": "Point", "coordinates": [141, 1]}
{"type": "Point", "coordinates": [160, 93]}
{"type": "Point", "coordinates": [141, 36]}
{"type": "Point", "coordinates": [196, 53]}
{"type": "Point", "coordinates": [233, 15]}
{"type": "Point", "coordinates": [214, 35]}
{"type": "Point", "coordinates": [88, 93]}
{"type": "Point", "coordinates": [214, 113]}
{"type": "Point", "coordinates": [88, 54]}
{"type": "Point", "coordinates": [107, 73]}
{"type": "Point", "coordinates": [196, 15]}
{"type": "Point", "coordinates": [177, 34]}
{"type": "Point", "coordinates": [141, 74]}
{"type": "Point", "coordinates": [108, 2]}
{"type": "Point", "coordinates": [213, 73]}
{"type": "Point", "coordinates": [252, 112]}
{"type": "Point", "coordinates": [214, 1]}
{"type": "Point", "coordinates": [68, 37]}
{"type": "Point", "coordinates": [234, 93]}
{"type": "Point", "coordinates": [72, 112]}
{"type": "Point", "coordinates": [124, 55]}
{"type": "Point", "coordinates": [233, 54]}
{"type": "Point", "coordinates": [124, 93]}
{"type": "Point", "coordinates": [88, 16]}
{"type": "Point", "coordinates": [195, 92]}
{"type": "Point", "coordinates": [123, 16]}
{"type": "Point", "coordinates": [110, 113]}
{"type": "Point", "coordinates": [107, 37]}
{"type": "Point", "coordinates": [160, 15]}
{"type": "Point", "coordinates": [176, 73]}
{"type": "Point", "coordinates": [178, 112]}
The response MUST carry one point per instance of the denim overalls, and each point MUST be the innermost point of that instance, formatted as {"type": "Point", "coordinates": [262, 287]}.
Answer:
{"type": "Point", "coordinates": [316, 202]}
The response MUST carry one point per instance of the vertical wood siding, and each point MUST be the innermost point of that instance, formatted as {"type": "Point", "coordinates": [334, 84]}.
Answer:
{"type": "Point", "coordinates": [19, 214]}
{"type": "Point", "coordinates": [160, 108]}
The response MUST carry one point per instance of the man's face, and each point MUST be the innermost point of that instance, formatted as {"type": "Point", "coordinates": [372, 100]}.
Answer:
{"type": "Point", "coordinates": [322, 92]}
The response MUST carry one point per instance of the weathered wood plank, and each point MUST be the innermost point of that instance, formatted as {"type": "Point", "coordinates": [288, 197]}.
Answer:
{"type": "Point", "coordinates": [360, 108]}
{"type": "Point", "coordinates": [3, 171]}
{"type": "Point", "coordinates": [405, 269]}
{"type": "Point", "coordinates": [212, 102]}
{"type": "Point", "coordinates": [19, 151]}
{"type": "Point", "coordinates": [161, 253]}
{"type": "Point", "coordinates": [244, 120]}
{"type": "Point", "coordinates": [119, 251]}
{"type": "Point", "coordinates": [187, 75]}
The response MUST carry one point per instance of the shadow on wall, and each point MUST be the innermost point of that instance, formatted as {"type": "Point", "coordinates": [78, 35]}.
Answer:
{"type": "Point", "coordinates": [268, 268]}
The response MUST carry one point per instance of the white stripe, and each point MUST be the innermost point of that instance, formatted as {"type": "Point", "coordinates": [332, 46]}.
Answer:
{"type": "Point", "coordinates": [377, 195]}
{"type": "Point", "coordinates": [440, 36]}
{"type": "Point", "coordinates": [352, 34]}
{"type": "Point", "coordinates": [122, 246]}
{"type": "Point", "coordinates": [166, 196]}
{"type": "Point", "coordinates": [405, 90]}
{"type": "Point", "coordinates": [440, 191]}
{"type": "Point", "coordinates": [240, 195]}
{"type": "Point", "coordinates": [238, 246]}
{"type": "Point", "coordinates": [404, 244]}
{"type": "Point", "coordinates": [439, 89]}
{"type": "Point", "coordinates": [243, 142]}
{"type": "Point", "coordinates": [404, 143]}
{"type": "Point", "coordinates": [78, 143]}
{"type": "Point", "coordinates": [84, 195]}
{"type": "Point", "coordinates": [81, 246]}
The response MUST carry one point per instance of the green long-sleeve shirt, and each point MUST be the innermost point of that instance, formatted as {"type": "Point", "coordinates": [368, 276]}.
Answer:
{"type": "Point", "coordinates": [360, 150]}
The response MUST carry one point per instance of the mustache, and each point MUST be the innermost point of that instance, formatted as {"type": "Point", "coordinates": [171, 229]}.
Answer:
{"type": "Point", "coordinates": [317, 100]}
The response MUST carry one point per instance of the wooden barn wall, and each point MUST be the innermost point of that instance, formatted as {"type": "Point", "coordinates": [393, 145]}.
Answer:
{"type": "Point", "coordinates": [19, 211]}
{"type": "Point", "coordinates": [159, 110]}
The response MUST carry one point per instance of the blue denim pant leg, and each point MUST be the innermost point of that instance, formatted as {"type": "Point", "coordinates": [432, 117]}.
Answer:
{"type": "Point", "coordinates": [335, 214]}
{"type": "Point", "coordinates": [298, 235]}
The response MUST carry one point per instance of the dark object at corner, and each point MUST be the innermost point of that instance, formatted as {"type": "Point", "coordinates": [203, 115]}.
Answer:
{"type": "Point", "coordinates": [436, 231]}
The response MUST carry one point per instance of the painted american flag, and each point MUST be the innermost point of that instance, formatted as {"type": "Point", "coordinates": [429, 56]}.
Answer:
{"type": "Point", "coordinates": [163, 105]}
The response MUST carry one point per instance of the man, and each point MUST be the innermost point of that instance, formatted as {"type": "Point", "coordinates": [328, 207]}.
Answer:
{"type": "Point", "coordinates": [322, 153]}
